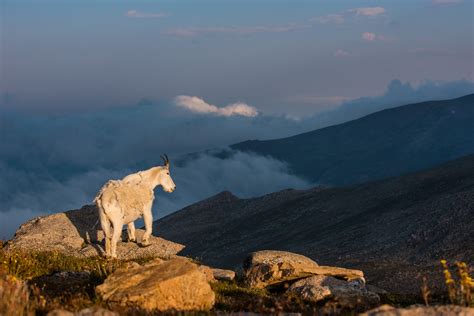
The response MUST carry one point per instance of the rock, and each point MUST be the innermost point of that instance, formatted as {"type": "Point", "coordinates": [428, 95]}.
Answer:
{"type": "Point", "coordinates": [375, 289]}
{"type": "Point", "coordinates": [92, 311]}
{"type": "Point", "coordinates": [176, 284]}
{"type": "Point", "coordinates": [60, 312]}
{"type": "Point", "coordinates": [349, 295]}
{"type": "Point", "coordinates": [417, 310]}
{"type": "Point", "coordinates": [76, 233]}
{"type": "Point", "coordinates": [223, 275]}
{"type": "Point", "coordinates": [267, 267]}
{"type": "Point", "coordinates": [207, 271]}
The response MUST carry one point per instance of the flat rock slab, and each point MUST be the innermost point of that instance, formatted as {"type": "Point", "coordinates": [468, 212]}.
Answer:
{"type": "Point", "coordinates": [77, 233]}
{"type": "Point", "coordinates": [176, 284]}
{"type": "Point", "coordinates": [270, 267]}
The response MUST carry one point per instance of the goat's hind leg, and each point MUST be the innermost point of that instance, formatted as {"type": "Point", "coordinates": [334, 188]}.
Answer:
{"type": "Point", "coordinates": [117, 223]}
{"type": "Point", "coordinates": [105, 224]}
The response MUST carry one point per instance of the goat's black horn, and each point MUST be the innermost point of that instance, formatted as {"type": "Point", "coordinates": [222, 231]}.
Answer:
{"type": "Point", "coordinates": [165, 160]}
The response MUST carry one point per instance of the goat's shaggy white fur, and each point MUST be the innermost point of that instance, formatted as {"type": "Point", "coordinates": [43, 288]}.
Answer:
{"type": "Point", "coordinates": [123, 201]}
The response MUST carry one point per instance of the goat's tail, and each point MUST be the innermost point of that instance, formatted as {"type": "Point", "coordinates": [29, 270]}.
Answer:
{"type": "Point", "coordinates": [109, 183]}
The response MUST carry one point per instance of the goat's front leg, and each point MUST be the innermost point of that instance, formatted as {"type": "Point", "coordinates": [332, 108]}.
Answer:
{"type": "Point", "coordinates": [131, 232]}
{"type": "Point", "coordinates": [148, 219]}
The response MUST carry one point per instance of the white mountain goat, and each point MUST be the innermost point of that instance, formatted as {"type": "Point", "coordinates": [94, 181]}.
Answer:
{"type": "Point", "coordinates": [123, 201]}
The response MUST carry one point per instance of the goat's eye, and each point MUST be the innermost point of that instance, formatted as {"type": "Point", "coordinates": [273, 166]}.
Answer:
{"type": "Point", "coordinates": [168, 173]}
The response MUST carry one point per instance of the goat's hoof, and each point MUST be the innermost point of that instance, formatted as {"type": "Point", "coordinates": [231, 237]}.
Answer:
{"type": "Point", "coordinates": [132, 240]}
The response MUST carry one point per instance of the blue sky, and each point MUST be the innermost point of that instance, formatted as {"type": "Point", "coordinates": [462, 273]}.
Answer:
{"type": "Point", "coordinates": [282, 57]}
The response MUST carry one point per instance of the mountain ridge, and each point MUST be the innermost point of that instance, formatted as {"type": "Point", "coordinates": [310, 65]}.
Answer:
{"type": "Point", "coordinates": [388, 228]}
{"type": "Point", "coordinates": [382, 144]}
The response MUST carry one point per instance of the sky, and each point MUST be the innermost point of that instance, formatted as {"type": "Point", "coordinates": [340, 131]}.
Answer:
{"type": "Point", "coordinates": [95, 90]}
{"type": "Point", "coordinates": [289, 57]}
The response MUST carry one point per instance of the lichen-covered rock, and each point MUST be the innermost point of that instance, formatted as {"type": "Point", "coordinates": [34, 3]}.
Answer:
{"type": "Point", "coordinates": [263, 268]}
{"type": "Point", "coordinates": [348, 294]}
{"type": "Point", "coordinates": [417, 310]}
{"type": "Point", "coordinates": [77, 233]}
{"type": "Point", "coordinates": [176, 284]}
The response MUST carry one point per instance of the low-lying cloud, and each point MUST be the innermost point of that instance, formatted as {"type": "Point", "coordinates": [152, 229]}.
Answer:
{"type": "Point", "coordinates": [51, 164]}
{"type": "Point", "coordinates": [246, 175]}
{"type": "Point", "coordinates": [198, 105]}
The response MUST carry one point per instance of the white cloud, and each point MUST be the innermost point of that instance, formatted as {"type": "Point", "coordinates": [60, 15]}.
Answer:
{"type": "Point", "coordinates": [446, 1]}
{"type": "Point", "coordinates": [330, 18]}
{"type": "Point", "coordinates": [371, 37]}
{"type": "Point", "coordinates": [341, 17]}
{"type": "Point", "coordinates": [198, 105]}
{"type": "Point", "coordinates": [341, 53]}
{"type": "Point", "coordinates": [138, 14]}
{"type": "Point", "coordinates": [368, 11]}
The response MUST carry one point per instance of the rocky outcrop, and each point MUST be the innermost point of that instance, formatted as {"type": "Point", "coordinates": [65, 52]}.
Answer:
{"type": "Point", "coordinates": [351, 295]}
{"type": "Point", "coordinates": [417, 310]}
{"type": "Point", "coordinates": [304, 278]}
{"type": "Point", "coordinates": [77, 233]}
{"type": "Point", "coordinates": [263, 268]}
{"type": "Point", "coordinates": [176, 284]}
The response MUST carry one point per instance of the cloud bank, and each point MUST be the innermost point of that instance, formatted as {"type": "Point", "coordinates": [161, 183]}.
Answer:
{"type": "Point", "coordinates": [51, 164]}
{"type": "Point", "coordinates": [198, 105]}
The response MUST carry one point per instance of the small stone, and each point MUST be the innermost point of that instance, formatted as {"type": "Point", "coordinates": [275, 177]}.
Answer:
{"type": "Point", "coordinates": [223, 275]}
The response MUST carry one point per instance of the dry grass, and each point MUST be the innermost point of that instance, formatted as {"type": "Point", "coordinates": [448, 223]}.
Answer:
{"type": "Point", "coordinates": [14, 296]}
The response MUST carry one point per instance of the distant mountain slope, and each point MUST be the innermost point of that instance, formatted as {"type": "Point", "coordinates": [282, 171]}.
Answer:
{"type": "Point", "coordinates": [383, 144]}
{"type": "Point", "coordinates": [391, 228]}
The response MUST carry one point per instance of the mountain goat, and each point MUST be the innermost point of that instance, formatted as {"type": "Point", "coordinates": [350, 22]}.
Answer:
{"type": "Point", "coordinates": [123, 201]}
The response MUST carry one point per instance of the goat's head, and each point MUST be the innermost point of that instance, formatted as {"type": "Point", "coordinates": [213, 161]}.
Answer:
{"type": "Point", "coordinates": [166, 181]}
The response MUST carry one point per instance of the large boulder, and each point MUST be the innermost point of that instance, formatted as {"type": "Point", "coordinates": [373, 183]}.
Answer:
{"type": "Point", "coordinates": [351, 295]}
{"type": "Point", "coordinates": [267, 267]}
{"type": "Point", "coordinates": [77, 233]}
{"type": "Point", "coordinates": [176, 284]}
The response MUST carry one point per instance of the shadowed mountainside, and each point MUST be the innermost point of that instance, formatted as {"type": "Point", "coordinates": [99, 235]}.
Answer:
{"type": "Point", "coordinates": [387, 143]}
{"type": "Point", "coordinates": [392, 229]}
